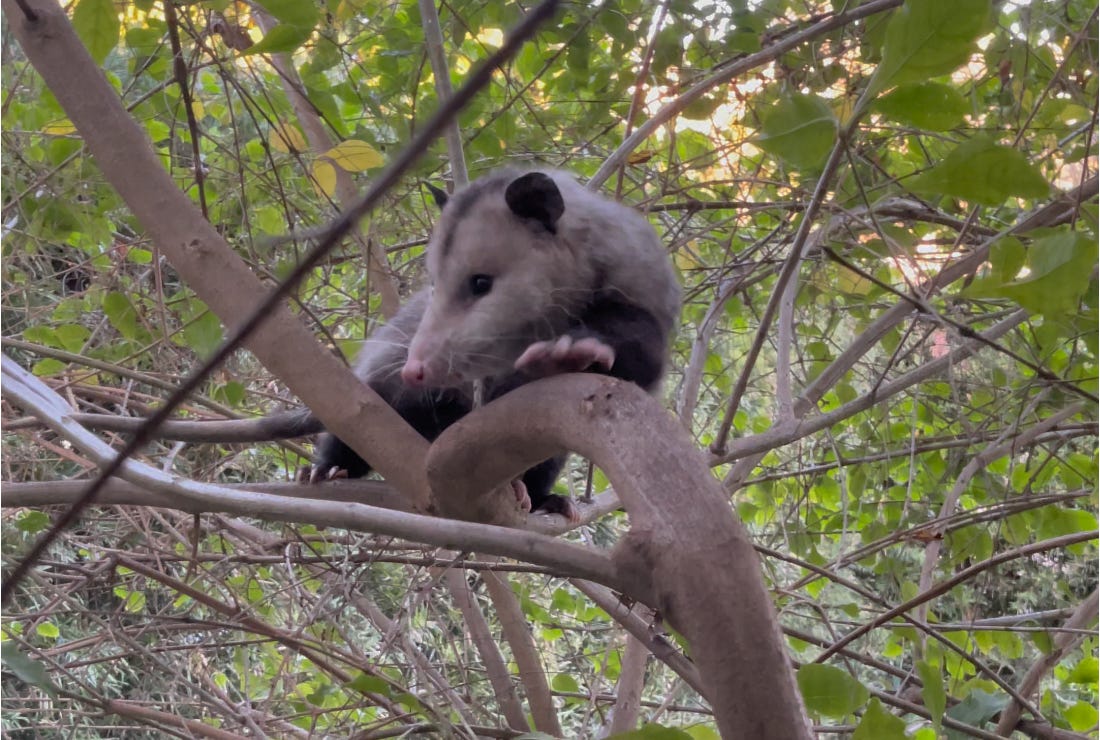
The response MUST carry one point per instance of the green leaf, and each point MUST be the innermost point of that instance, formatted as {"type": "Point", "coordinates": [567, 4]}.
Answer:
{"type": "Point", "coordinates": [139, 256]}
{"type": "Point", "coordinates": [293, 12]}
{"type": "Point", "coordinates": [1085, 672]}
{"type": "Point", "coordinates": [98, 25]}
{"type": "Point", "coordinates": [1043, 641]}
{"type": "Point", "coordinates": [231, 393]}
{"type": "Point", "coordinates": [927, 38]}
{"type": "Point", "coordinates": [1058, 521]}
{"type": "Point", "coordinates": [830, 691]}
{"type": "Point", "coordinates": [928, 105]}
{"type": "Point", "coordinates": [281, 38]}
{"type": "Point", "coordinates": [366, 684]}
{"type": "Point", "coordinates": [48, 630]}
{"type": "Point", "coordinates": [204, 334]}
{"type": "Point", "coordinates": [1082, 716]}
{"type": "Point", "coordinates": [32, 521]}
{"type": "Point", "coordinates": [25, 669]}
{"type": "Point", "coordinates": [702, 108]}
{"type": "Point", "coordinates": [878, 724]}
{"type": "Point", "coordinates": [48, 366]}
{"type": "Point", "coordinates": [121, 313]}
{"type": "Point", "coordinates": [978, 707]}
{"type": "Point", "coordinates": [800, 129]}
{"type": "Point", "coordinates": [565, 682]}
{"type": "Point", "coordinates": [72, 337]}
{"type": "Point", "coordinates": [983, 171]}
{"type": "Point", "coordinates": [46, 335]}
{"type": "Point", "coordinates": [702, 732]}
{"type": "Point", "coordinates": [563, 601]}
{"type": "Point", "coordinates": [933, 692]}
{"type": "Point", "coordinates": [1060, 270]}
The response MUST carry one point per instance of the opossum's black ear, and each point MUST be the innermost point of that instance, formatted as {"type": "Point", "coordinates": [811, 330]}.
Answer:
{"type": "Point", "coordinates": [439, 196]}
{"type": "Point", "coordinates": [535, 196]}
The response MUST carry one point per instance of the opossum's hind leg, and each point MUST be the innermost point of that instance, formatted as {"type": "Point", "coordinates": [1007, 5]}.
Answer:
{"type": "Point", "coordinates": [539, 480]}
{"type": "Point", "coordinates": [335, 460]}
{"type": "Point", "coordinates": [428, 414]}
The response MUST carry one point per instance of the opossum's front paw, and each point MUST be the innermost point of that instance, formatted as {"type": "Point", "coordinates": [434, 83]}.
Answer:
{"type": "Point", "coordinates": [565, 355]}
{"type": "Point", "coordinates": [316, 473]}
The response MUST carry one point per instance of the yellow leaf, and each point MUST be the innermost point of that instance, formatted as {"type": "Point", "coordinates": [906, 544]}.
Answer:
{"type": "Point", "coordinates": [852, 283]}
{"type": "Point", "coordinates": [197, 109]}
{"type": "Point", "coordinates": [493, 37]}
{"type": "Point", "coordinates": [286, 138]}
{"type": "Point", "coordinates": [355, 156]}
{"type": "Point", "coordinates": [345, 11]}
{"type": "Point", "coordinates": [686, 259]}
{"type": "Point", "coordinates": [64, 127]}
{"type": "Point", "coordinates": [324, 178]}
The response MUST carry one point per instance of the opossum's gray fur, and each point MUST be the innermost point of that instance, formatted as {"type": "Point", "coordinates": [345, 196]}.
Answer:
{"type": "Point", "coordinates": [564, 261]}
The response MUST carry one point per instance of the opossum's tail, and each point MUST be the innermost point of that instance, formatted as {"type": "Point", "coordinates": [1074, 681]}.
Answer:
{"type": "Point", "coordinates": [283, 425]}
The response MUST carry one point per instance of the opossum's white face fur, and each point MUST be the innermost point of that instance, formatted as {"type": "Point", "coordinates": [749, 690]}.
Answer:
{"type": "Point", "coordinates": [507, 269]}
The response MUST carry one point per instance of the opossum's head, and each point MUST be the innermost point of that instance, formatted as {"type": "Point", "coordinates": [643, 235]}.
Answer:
{"type": "Point", "coordinates": [505, 272]}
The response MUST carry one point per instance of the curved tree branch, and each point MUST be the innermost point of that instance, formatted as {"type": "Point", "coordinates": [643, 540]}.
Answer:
{"type": "Point", "coordinates": [679, 521]}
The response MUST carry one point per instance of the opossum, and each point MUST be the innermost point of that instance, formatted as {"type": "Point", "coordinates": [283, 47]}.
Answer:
{"type": "Point", "coordinates": [530, 275]}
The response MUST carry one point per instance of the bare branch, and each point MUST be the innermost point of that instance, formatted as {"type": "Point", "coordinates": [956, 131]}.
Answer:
{"type": "Point", "coordinates": [1083, 617]}
{"type": "Point", "coordinates": [27, 391]}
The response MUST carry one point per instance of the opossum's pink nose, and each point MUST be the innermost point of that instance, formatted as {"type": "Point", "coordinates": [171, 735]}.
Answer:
{"type": "Point", "coordinates": [413, 373]}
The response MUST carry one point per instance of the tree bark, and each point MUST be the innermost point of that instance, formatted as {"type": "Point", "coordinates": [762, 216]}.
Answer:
{"type": "Point", "coordinates": [686, 553]}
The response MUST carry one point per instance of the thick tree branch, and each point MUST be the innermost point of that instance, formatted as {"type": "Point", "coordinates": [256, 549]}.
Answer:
{"type": "Point", "coordinates": [679, 520]}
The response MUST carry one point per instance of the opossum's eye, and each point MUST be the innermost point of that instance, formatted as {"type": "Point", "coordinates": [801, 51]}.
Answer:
{"type": "Point", "coordinates": [480, 284]}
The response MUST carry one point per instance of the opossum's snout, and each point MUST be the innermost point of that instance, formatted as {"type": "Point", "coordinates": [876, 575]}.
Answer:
{"type": "Point", "coordinates": [425, 367]}
{"type": "Point", "coordinates": [420, 374]}
{"type": "Point", "coordinates": [414, 373]}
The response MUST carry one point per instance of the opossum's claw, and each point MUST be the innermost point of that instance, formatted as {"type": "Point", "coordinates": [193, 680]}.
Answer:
{"type": "Point", "coordinates": [315, 474]}
{"type": "Point", "coordinates": [522, 497]}
{"type": "Point", "coordinates": [565, 355]}
{"type": "Point", "coordinates": [554, 504]}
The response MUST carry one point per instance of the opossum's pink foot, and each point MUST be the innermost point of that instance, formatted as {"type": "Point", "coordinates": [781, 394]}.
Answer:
{"type": "Point", "coordinates": [565, 355]}
{"type": "Point", "coordinates": [522, 497]}
{"type": "Point", "coordinates": [554, 504]}
{"type": "Point", "coordinates": [313, 474]}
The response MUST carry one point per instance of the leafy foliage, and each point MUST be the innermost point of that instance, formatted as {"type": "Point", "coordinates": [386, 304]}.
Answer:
{"type": "Point", "coordinates": [954, 122]}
